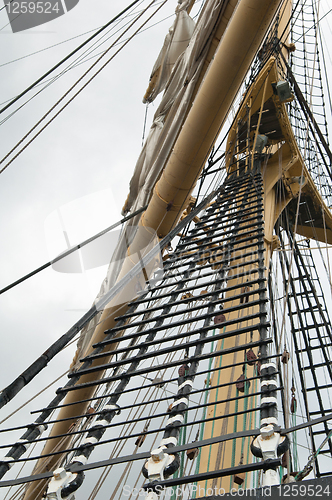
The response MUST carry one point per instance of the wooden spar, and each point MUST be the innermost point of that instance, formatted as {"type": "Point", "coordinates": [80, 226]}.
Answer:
{"type": "Point", "coordinates": [209, 111]}
{"type": "Point", "coordinates": [284, 168]}
{"type": "Point", "coordinates": [233, 58]}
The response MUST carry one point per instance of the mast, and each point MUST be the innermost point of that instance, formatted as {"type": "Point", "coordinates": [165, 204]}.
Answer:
{"type": "Point", "coordinates": [266, 177]}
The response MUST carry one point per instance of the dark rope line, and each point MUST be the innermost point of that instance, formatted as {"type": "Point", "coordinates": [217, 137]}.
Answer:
{"type": "Point", "coordinates": [193, 287]}
{"type": "Point", "coordinates": [161, 351]}
{"type": "Point", "coordinates": [166, 350]}
{"type": "Point", "coordinates": [36, 429]}
{"type": "Point", "coordinates": [142, 456]}
{"type": "Point", "coordinates": [71, 250]}
{"type": "Point", "coordinates": [133, 389]}
{"type": "Point", "coordinates": [10, 391]}
{"type": "Point", "coordinates": [177, 362]}
{"type": "Point", "coordinates": [140, 419]}
{"type": "Point", "coordinates": [313, 25]}
{"type": "Point", "coordinates": [185, 381]}
{"type": "Point", "coordinates": [150, 255]}
{"type": "Point", "coordinates": [123, 408]}
{"type": "Point", "coordinates": [198, 298]}
{"type": "Point", "coordinates": [98, 429]}
{"type": "Point", "coordinates": [308, 112]}
{"type": "Point", "coordinates": [67, 57]}
{"type": "Point", "coordinates": [123, 438]}
{"type": "Point", "coordinates": [10, 1]}
{"type": "Point", "coordinates": [57, 44]}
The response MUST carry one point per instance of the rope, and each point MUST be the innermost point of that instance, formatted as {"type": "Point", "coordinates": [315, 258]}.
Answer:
{"type": "Point", "coordinates": [144, 124]}
{"type": "Point", "coordinates": [33, 397]}
{"type": "Point", "coordinates": [253, 403]}
{"type": "Point", "coordinates": [295, 454]}
{"type": "Point", "coordinates": [246, 401]}
{"type": "Point", "coordinates": [71, 250]}
{"type": "Point", "coordinates": [234, 440]}
{"type": "Point", "coordinates": [215, 408]}
{"type": "Point", "coordinates": [80, 90]}
{"type": "Point", "coordinates": [68, 56]}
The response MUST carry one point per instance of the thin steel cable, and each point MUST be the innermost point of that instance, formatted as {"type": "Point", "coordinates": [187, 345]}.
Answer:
{"type": "Point", "coordinates": [68, 56]}
{"type": "Point", "coordinates": [54, 45]}
{"type": "Point", "coordinates": [71, 250]}
{"type": "Point", "coordinates": [77, 93]}
{"type": "Point", "coordinates": [35, 396]}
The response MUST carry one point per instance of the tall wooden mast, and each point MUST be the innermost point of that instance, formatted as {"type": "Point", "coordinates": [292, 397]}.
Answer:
{"type": "Point", "coordinates": [236, 51]}
{"type": "Point", "coordinates": [248, 28]}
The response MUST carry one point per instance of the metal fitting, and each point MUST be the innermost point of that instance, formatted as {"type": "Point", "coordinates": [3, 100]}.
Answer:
{"type": "Point", "coordinates": [63, 484]}
{"type": "Point", "coordinates": [157, 455]}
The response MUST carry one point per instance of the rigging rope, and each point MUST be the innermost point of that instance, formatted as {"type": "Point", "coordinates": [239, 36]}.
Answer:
{"type": "Point", "coordinates": [207, 442]}
{"type": "Point", "coordinates": [68, 56]}
{"type": "Point", "coordinates": [78, 62]}
{"type": "Point", "coordinates": [71, 250]}
{"type": "Point", "coordinates": [78, 92]}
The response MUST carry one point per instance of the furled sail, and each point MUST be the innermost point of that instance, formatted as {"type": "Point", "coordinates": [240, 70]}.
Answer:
{"type": "Point", "coordinates": [187, 74]}
{"type": "Point", "coordinates": [195, 362]}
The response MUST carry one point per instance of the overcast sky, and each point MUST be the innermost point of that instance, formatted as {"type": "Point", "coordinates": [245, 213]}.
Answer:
{"type": "Point", "coordinates": [80, 167]}
{"type": "Point", "coordinates": [88, 152]}
{"type": "Point", "coordinates": [81, 164]}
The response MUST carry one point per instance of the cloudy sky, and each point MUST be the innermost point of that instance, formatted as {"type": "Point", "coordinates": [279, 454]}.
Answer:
{"type": "Point", "coordinates": [80, 166]}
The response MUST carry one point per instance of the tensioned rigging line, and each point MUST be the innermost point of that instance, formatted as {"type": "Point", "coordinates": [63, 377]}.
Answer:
{"type": "Point", "coordinates": [176, 231]}
{"type": "Point", "coordinates": [10, 391]}
{"type": "Point", "coordinates": [142, 419]}
{"type": "Point", "coordinates": [69, 68]}
{"type": "Point", "coordinates": [44, 49]}
{"type": "Point", "coordinates": [310, 116]}
{"type": "Point", "coordinates": [68, 56]}
{"type": "Point", "coordinates": [313, 26]}
{"type": "Point", "coordinates": [82, 59]}
{"type": "Point", "coordinates": [10, 1]}
{"type": "Point", "coordinates": [128, 466]}
{"type": "Point", "coordinates": [124, 382]}
{"type": "Point", "coordinates": [301, 363]}
{"type": "Point", "coordinates": [65, 41]}
{"type": "Point", "coordinates": [158, 430]}
{"type": "Point", "coordinates": [143, 371]}
{"type": "Point", "coordinates": [52, 46]}
{"type": "Point", "coordinates": [172, 380]}
{"type": "Point", "coordinates": [90, 38]}
{"type": "Point", "coordinates": [322, 38]}
{"type": "Point", "coordinates": [18, 14]}
{"type": "Point", "coordinates": [182, 335]}
{"type": "Point", "coordinates": [34, 397]}
{"type": "Point", "coordinates": [71, 250]}
{"type": "Point", "coordinates": [78, 92]}
{"type": "Point", "coordinates": [142, 456]}
{"type": "Point", "coordinates": [150, 401]}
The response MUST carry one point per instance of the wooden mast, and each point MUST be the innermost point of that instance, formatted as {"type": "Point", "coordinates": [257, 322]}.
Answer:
{"type": "Point", "coordinates": [285, 179]}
